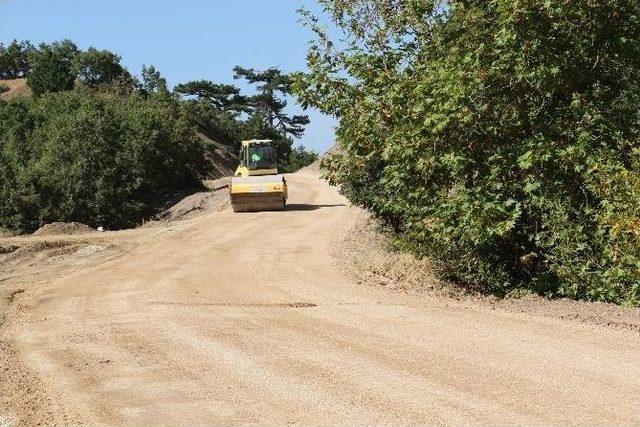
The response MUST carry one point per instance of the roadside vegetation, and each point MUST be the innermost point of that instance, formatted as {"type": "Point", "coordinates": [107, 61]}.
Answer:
{"type": "Point", "coordinates": [98, 145]}
{"type": "Point", "coordinates": [498, 138]}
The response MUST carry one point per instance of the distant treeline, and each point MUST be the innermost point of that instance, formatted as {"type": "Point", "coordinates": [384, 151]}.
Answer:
{"type": "Point", "coordinates": [499, 138]}
{"type": "Point", "coordinates": [98, 145]}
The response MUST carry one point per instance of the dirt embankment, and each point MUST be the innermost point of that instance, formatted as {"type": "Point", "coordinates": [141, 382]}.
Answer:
{"type": "Point", "coordinates": [182, 207]}
{"type": "Point", "coordinates": [62, 228]}
{"type": "Point", "coordinates": [374, 261]}
{"type": "Point", "coordinates": [187, 205]}
{"type": "Point", "coordinates": [221, 161]}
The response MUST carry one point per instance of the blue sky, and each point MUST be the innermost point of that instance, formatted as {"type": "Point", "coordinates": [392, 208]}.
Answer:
{"type": "Point", "coordinates": [186, 40]}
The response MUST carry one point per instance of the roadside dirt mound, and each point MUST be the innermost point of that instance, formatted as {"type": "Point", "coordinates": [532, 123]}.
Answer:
{"type": "Point", "coordinates": [217, 184]}
{"type": "Point", "coordinates": [56, 228]}
{"type": "Point", "coordinates": [17, 87]}
{"type": "Point", "coordinates": [188, 205]}
{"type": "Point", "coordinates": [335, 149]}
{"type": "Point", "coordinates": [194, 205]}
{"type": "Point", "coordinates": [312, 169]}
{"type": "Point", "coordinates": [369, 257]}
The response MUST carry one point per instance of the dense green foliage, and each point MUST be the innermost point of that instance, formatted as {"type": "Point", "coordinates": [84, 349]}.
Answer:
{"type": "Point", "coordinates": [99, 146]}
{"type": "Point", "coordinates": [268, 105]}
{"type": "Point", "coordinates": [216, 108]}
{"type": "Point", "coordinates": [52, 68]}
{"type": "Point", "coordinates": [92, 158]}
{"type": "Point", "coordinates": [499, 137]}
{"type": "Point", "coordinates": [152, 82]}
{"type": "Point", "coordinates": [94, 67]}
{"type": "Point", "coordinates": [15, 59]}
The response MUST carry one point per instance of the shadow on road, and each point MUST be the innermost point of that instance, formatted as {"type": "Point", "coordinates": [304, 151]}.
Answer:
{"type": "Point", "coordinates": [306, 207]}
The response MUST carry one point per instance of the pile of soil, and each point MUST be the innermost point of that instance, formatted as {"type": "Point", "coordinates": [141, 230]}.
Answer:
{"type": "Point", "coordinates": [217, 184]}
{"type": "Point", "coordinates": [315, 168]}
{"type": "Point", "coordinates": [57, 228]}
{"type": "Point", "coordinates": [194, 205]}
{"type": "Point", "coordinates": [312, 169]}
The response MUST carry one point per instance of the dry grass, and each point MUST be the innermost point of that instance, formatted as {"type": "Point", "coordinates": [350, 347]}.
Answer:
{"type": "Point", "coordinates": [17, 87]}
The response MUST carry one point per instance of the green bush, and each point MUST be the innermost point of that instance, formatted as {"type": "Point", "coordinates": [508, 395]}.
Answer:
{"type": "Point", "coordinates": [97, 159]}
{"type": "Point", "coordinates": [51, 69]}
{"type": "Point", "coordinates": [500, 138]}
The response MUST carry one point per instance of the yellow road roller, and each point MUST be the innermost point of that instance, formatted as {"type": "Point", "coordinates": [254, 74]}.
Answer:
{"type": "Point", "coordinates": [256, 185]}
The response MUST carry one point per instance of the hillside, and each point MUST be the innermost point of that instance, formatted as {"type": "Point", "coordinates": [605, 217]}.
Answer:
{"type": "Point", "coordinates": [17, 87]}
{"type": "Point", "coordinates": [176, 163]}
{"type": "Point", "coordinates": [220, 160]}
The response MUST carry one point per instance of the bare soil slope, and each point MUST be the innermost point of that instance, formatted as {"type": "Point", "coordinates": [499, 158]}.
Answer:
{"type": "Point", "coordinates": [241, 318]}
{"type": "Point", "coordinates": [221, 161]}
{"type": "Point", "coordinates": [17, 87]}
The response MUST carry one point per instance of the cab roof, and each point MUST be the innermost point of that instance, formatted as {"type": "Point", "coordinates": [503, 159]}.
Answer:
{"type": "Point", "coordinates": [256, 141]}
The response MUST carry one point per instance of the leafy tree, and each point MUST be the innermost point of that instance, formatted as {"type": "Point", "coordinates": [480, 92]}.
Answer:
{"type": "Point", "coordinates": [65, 49]}
{"type": "Point", "coordinates": [221, 126]}
{"type": "Point", "coordinates": [268, 118]}
{"type": "Point", "coordinates": [498, 137]}
{"type": "Point", "coordinates": [215, 108]}
{"type": "Point", "coordinates": [153, 82]}
{"type": "Point", "coordinates": [15, 59]}
{"type": "Point", "coordinates": [94, 67]}
{"type": "Point", "coordinates": [52, 68]}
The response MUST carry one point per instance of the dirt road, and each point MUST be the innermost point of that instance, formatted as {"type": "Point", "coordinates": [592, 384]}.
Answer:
{"type": "Point", "coordinates": [242, 318]}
